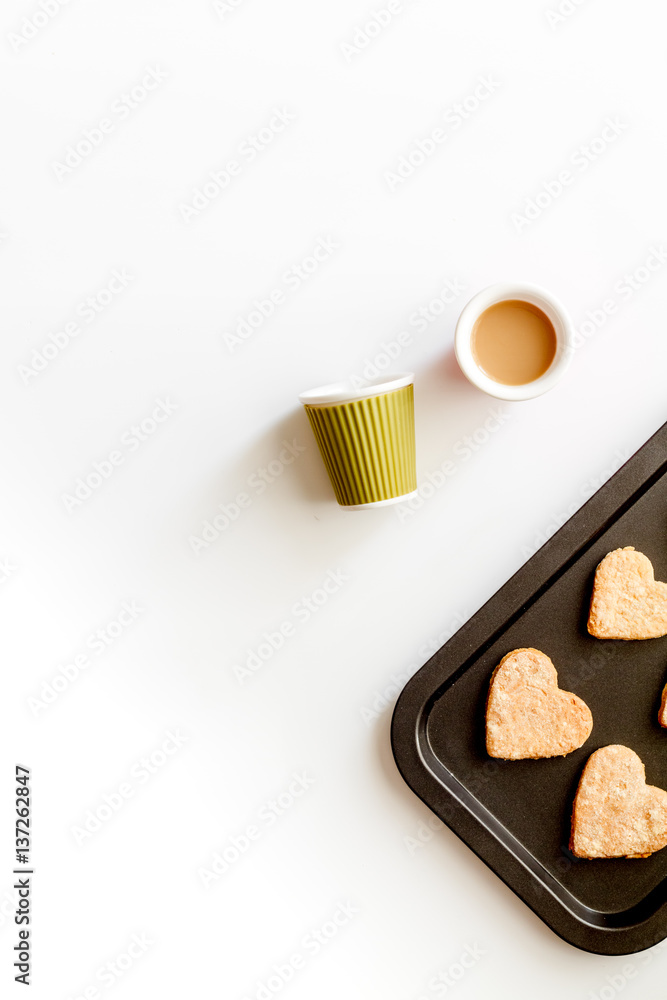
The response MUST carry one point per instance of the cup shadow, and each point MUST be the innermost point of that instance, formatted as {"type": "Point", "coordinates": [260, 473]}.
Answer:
{"type": "Point", "coordinates": [447, 407]}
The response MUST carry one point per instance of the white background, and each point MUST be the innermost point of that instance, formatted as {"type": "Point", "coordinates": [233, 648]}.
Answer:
{"type": "Point", "coordinates": [316, 706]}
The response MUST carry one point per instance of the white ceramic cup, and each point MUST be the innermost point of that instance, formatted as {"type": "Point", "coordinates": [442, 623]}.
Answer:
{"type": "Point", "coordinates": [549, 305]}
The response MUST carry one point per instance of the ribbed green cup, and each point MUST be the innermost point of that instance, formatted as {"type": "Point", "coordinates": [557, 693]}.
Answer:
{"type": "Point", "coordinates": [368, 446]}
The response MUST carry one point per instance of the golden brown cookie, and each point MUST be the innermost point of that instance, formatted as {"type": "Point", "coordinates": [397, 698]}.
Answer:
{"type": "Point", "coordinates": [662, 711]}
{"type": "Point", "coordinates": [615, 813]}
{"type": "Point", "coordinates": [627, 601]}
{"type": "Point", "coordinates": [527, 715]}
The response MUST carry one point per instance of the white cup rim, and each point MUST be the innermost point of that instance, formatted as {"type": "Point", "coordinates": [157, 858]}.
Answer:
{"type": "Point", "coordinates": [346, 391]}
{"type": "Point", "coordinates": [524, 292]}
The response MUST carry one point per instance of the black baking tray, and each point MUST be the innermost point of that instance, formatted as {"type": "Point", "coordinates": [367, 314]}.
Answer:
{"type": "Point", "coordinates": [515, 815]}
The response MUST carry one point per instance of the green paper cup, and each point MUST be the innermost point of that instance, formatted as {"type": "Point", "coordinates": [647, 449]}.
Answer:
{"type": "Point", "coordinates": [366, 437]}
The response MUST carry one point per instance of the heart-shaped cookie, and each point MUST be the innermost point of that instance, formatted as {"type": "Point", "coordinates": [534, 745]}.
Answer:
{"type": "Point", "coordinates": [662, 711]}
{"type": "Point", "coordinates": [627, 602]}
{"type": "Point", "coordinates": [616, 814]}
{"type": "Point", "coordinates": [527, 714]}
